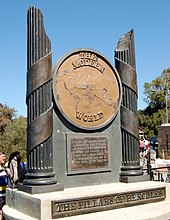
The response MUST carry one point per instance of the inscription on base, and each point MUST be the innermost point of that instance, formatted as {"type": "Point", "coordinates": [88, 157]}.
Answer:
{"type": "Point", "coordinates": [106, 202]}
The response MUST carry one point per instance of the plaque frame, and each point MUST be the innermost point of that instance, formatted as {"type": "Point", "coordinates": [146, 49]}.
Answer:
{"type": "Point", "coordinates": [70, 171]}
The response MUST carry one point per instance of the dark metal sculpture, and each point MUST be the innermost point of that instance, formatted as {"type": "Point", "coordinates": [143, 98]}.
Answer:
{"type": "Point", "coordinates": [39, 103]}
{"type": "Point", "coordinates": [125, 64]}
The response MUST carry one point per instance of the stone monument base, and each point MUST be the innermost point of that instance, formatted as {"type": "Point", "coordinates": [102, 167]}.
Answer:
{"type": "Point", "coordinates": [141, 200]}
{"type": "Point", "coordinates": [133, 179]}
{"type": "Point", "coordinates": [41, 188]}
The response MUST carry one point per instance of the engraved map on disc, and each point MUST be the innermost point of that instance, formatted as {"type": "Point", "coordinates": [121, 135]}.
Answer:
{"type": "Point", "coordinates": [86, 89]}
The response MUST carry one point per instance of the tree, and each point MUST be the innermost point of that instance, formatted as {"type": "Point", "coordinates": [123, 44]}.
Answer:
{"type": "Point", "coordinates": [156, 91]}
{"type": "Point", "coordinates": [6, 115]}
{"type": "Point", "coordinates": [157, 96]}
{"type": "Point", "coordinates": [13, 132]}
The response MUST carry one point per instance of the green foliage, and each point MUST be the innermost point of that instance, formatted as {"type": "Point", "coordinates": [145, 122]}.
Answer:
{"type": "Point", "coordinates": [6, 115]}
{"type": "Point", "coordinates": [13, 137]}
{"type": "Point", "coordinates": [157, 93]}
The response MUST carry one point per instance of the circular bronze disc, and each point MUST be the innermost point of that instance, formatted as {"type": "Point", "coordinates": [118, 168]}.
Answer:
{"type": "Point", "coordinates": [87, 89]}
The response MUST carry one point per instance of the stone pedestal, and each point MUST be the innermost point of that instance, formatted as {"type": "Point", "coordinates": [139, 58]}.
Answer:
{"type": "Point", "coordinates": [89, 202]}
{"type": "Point", "coordinates": [133, 179]}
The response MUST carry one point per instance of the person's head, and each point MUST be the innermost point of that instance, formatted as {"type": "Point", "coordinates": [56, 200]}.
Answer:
{"type": "Point", "coordinates": [15, 155]}
{"type": "Point", "coordinates": [18, 156]}
{"type": "Point", "coordinates": [2, 158]}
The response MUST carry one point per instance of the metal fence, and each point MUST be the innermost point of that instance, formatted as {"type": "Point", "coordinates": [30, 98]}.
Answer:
{"type": "Point", "coordinates": [160, 174]}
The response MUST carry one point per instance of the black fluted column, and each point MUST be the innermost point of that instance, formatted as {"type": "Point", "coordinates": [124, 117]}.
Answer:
{"type": "Point", "coordinates": [125, 64]}
{"type": "Point", "coordinates": [39, 103]}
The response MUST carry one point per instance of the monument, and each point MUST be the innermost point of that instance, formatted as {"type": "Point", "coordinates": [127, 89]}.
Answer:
{"type": "Point", "coordinates": [87, 96]}
{"type": "Point", "coordinates": [82, 135]}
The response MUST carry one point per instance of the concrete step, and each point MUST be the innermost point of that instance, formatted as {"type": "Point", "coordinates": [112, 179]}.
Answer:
{"type": "Point", "coordinates": [152, 211]}
{"type": "Point", "coordinates": [13, 214]}
{"type": "Point", "coordinates": [143, 201]}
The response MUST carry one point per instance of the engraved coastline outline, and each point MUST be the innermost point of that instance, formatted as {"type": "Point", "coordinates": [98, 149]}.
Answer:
{"type": "Point", "coordinates": [82, 85]}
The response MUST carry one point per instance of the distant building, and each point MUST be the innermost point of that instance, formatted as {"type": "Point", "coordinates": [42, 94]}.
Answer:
{"type": "Point", "coordinates": [164, 141]}
{"type": "Point", "coordinates": [141, 133]}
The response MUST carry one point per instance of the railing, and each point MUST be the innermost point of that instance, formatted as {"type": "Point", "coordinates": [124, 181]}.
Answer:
{"type": "Point", "coordinates": [157, 175]}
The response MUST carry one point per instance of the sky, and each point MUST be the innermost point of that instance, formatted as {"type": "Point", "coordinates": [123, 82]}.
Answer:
{"type": "Point", "coordinates": [73, 24]}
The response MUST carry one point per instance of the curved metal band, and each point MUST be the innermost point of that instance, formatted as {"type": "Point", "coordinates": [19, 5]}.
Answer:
{"type": "Point", "coordinates": [127, 74]}
{"type": "Point", "coordinates": [39, 73]}
{"type": "Point", "coordinates": [40, 129]}
{"type": "Point", "coordinates": [129, 121]}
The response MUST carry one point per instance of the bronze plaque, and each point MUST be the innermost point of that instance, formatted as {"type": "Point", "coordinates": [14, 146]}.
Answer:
{"type": "Point", "coordinates": [88, 153]}
{"type": "Point", "coordinates": [89, 204]}
{"type": "Point", "coordinates": [87, 89]}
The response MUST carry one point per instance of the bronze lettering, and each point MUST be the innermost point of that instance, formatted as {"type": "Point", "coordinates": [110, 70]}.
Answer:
{"type": "Point", "coordinates": [100, 202]}
{"type": "Point", "coordinates": [161, 193]}
{"type": "Point", "coordinates": [73, 206]}
{"type": "Point", "coordinates": [88, 55]}
{"type": "Point", "coordinates": [147, 195]}
{"type": "Point", "coordinates": [111, 200]}
{"type": "Point", "coordinates": [143, 195]}
{"type": "Point", "coordinates": [139, 196]}
{"type": "Point", "coordinates": [85, 118]}
{"type": "Point", "coordinates": [87, 62]}
{"type": "Point", "coordinates": [80, 205]}
{"type": "Point", "coordinates": [94, 202]}
{"type": "Point", "coordinates": [79, 115]}
{"type": "Point", "coordinates": [90, 204]}
{"type": "Point", "coordinates": [106, 201]}
{"type": "Point", "coordinates": [88, 117]}
{"type": "Point", "coordinates": [119, 199]}
{"type": "Point", "coordinates": [66, 207]}
{"type": "Point", "coordinates": [128, 198]}
{"type": "Point", "coordinates": [93, 56]}
{"type": "Point", "coordinates": [59, 208]}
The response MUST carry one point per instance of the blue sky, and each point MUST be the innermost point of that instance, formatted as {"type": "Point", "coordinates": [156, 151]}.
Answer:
{"type": "Point", "coordinates": [72, 24]}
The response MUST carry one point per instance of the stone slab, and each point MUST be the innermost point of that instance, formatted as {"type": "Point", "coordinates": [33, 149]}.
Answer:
{"type": "Point", "coordinates": [140, 212]}
{"type": "Point", "coordinates": [133, 179]}
{"type": "Point", "coordinates": [40, 189]}
{"type": "Point", "coordinates": [38, 206]}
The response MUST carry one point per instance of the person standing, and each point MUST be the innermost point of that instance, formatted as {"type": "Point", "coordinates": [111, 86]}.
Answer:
{"type": "Point", "coordinates": [141, 147]}
{"type": "Point", "coordinates": [4, 173]}
{"type": "Point", "coordinates": [17, 169]}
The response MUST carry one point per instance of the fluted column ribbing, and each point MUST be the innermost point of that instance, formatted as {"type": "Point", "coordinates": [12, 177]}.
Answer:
{"type": "Point", "coordinates": [126, 66]}
{"type": "Point", "coordinates": [39, 103]}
